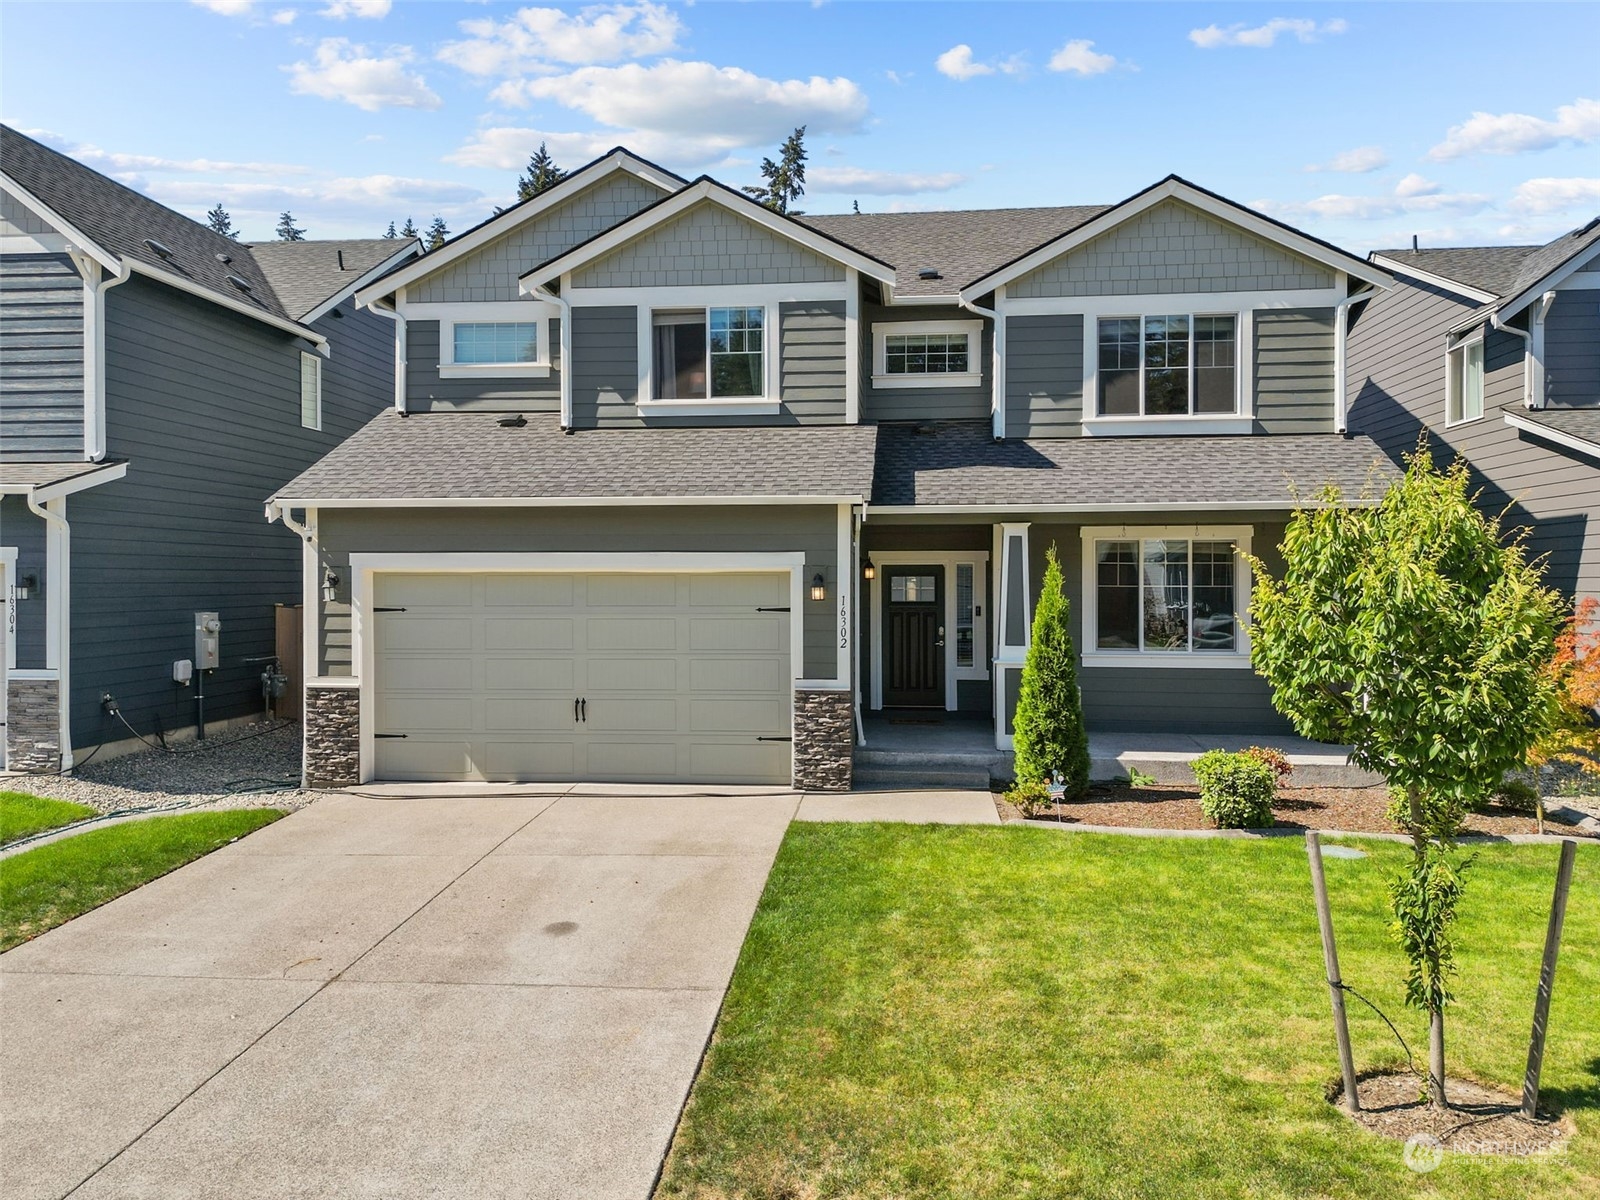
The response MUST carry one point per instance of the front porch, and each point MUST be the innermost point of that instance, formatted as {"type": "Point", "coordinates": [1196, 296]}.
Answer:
{"type": "Point", "coordinates": [919, 748]}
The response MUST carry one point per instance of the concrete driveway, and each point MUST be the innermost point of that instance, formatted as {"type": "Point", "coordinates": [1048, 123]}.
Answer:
{"type": "Point", "coordinates": [483, 995]}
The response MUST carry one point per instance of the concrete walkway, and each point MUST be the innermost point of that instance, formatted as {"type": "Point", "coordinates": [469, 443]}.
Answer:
{"type": "Point", "coordinates": [914, 806]}
{"type": "Point", "coordinates": [504, 994]}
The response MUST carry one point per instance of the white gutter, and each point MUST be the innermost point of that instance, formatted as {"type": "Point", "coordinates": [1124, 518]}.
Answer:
{"type": "Point", "coordinates": [58, 613]}
{"type": "Point", "coordinates": [278, 503]}
{"type": "Point", "coordinates": [1558, 436]}
{"type": "Point", "coordinates": [997, 388]}
{"type": "Point", "coordinates": [1341, 355]}
{"type": "Point", "coordinates": [1496, 321]}
{"type": "Point", "coordinates": [238, 306]}
{"type": "Point", "coordinates": [388, 309]}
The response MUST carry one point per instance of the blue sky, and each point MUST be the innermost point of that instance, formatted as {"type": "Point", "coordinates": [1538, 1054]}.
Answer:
{"type": "Point", "coordinates": [1362, 123]}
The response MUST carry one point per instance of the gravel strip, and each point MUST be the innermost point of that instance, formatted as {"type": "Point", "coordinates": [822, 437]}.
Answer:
{"type": "Point", "coordinates": [253, 766]}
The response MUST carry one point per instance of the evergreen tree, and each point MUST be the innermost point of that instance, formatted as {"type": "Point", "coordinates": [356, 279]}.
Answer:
{"type": "Point", "coordinates": [855, 207]}
{"type": "Point", "coordinates": [219, 221]}
{"type": "Point", "coordinates": [437, 233]}
{"type": "Point", "coordinates": [542, 174]}
{"type": "Point", "coordinates": [288, 231]}
{"type": "Point", "coordinates": [786, 178]}
{"type": "Point", "coordinates": [1049, 735]}
{"type": "Point", "coordinates": [409, 229]}
{"type": "Point", "coordinates": [389, 233]}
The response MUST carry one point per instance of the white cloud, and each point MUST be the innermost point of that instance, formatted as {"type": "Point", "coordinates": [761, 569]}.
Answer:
{"type": "Point", "coordinates": [1263, 36]}
{"type": "Point", "coordinates": [867, 182]}
{"type": "Point", "coordinates": [1080, 58]}
{"type": "Point", "coordinates": [1548, 195]}
{"type": "Point", "coordinates": [1518, 133]}
{"type": "Point", "coordinates": [1359, 161]}
{"type": "Point", "coordinates": [704, 107]}
{"type": "Point", "coordinates": [1415, 185]}
{"type": "Point", "coordinates": [284, 16]}
{"type": "Point", "coordinates": [957, 63]}
{"type": "Point", "coordinates": [227, 8]}
{"type": "Point", "coordinates": [507, 147]}
{"type": "Point", "coordinates": [533, 38]}
{"type": "Point", "coordinates": [371, 10]}
{"type": "Point", "coordinates": [1413, 194]}
{"type": "Point", "coordinates": [345, 71]}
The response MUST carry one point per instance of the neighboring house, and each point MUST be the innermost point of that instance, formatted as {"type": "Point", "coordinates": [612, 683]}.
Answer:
{"type": "Point", "coordinates": [1494, 353]}
{"type": "Point", "coordinates": [677, 488]}
{"type": "Point", "coordinates": [157, 382]}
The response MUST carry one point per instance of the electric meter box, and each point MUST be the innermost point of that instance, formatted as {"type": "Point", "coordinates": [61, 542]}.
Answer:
{"type": "Point", "coordinates": [207, 641]}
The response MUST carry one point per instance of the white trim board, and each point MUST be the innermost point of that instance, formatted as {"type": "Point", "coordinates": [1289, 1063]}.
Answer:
{"type": "Point", "coordinates": [947, 559]}
{"type": "Point", "coordinates": [412, 248]}
{"type": "Point", "coordinates": [1559, 437]}
{"type": "Point", "coordinates": [1444, 282]}
{"type": "Point", "coordinates": [882, 331]}
{"type": "Point", "coordinates": [105, 473]}
{"type": "Point", "coordinates": [1551, 279]}
{"type": "Point", "coordinates": [278, 503]}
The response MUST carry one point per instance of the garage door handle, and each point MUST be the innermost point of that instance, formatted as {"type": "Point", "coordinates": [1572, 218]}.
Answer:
{"type": "Point", "coordinates": [785, 608]}
{"type": "Point", "coordinates": [379, 610]}
{"type": "Point", "coordinates": [584, 708]}
{"type": "Point", "coordinates": [774, 739]}
{"type": "Point", "coordinates": [574, 710]}
{"type": "Point", "coordinates": [390, 735]}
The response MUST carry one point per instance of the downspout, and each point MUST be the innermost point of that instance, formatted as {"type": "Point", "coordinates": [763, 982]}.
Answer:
{"type": "Point", "coordinates": [1528, 372]}
{"type": "Point", "coordinates": [565, 305]}
{"type": "Point", "coordinates": [395, 315]}
{"type": "Point", "coordinates": [858, 521]}
{"type": "Point", "coordinates": [95, 286]}
{"type": "Point", "coordinates": [310, 607]}
{"type": "Point", "coordinates": [1341, 356]}
{"type": "Point", "coordinates": [59, 638]}
{"type": "Point", "coordinates": [997, 396]}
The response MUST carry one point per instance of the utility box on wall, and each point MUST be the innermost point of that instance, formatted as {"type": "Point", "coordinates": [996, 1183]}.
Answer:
{"type": "Point", "coordinates": [207, 641]}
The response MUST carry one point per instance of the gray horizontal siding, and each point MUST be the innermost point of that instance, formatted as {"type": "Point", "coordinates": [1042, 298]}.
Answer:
{"type": "Point", "coordinates": [1572, 350]}
{"type": "Point", "coordinates": [1044, 376]}
{"type": "Point", "coordinates": [41, 357]}
{"type": "Point", "coordinates": [605, 365]}
{"type": "Point", "coordinates": [1294, 370]}
{"type": "Point", "coordinates": [812, 367]}
{"type": "Point", "coordinates": [929, 403]}
{"type": "Point", "coordinates": [24, 533]}
{"type": "Point", "coordinates": [427, 392]}
{"type": "Point", "coordinates": [722, 530]}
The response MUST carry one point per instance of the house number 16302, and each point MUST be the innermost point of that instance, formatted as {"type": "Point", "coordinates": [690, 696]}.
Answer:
{"type": "Point", "coordinates": [844, 625]}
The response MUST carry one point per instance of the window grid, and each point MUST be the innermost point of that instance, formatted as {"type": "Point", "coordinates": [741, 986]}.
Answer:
{"type": "Point", "coordinates": [1167, 365]}
{"type": "Point", "coordinates": [925, 354]}
{"type": "Point", "coordinates": [736, 348]}
{"type": "Point", "coordinates": [310, 391]}
{"type": "Point", "coordinates": [479, 342]}
{"type": "Point", "coordinates": [965, 635]}
{"type": "Point", "coordinates": [1166, 595]}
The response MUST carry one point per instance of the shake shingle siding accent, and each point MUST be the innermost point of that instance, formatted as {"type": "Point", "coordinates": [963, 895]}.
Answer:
{"type": "Point", "coordinates": [1044, 376]}
{"type": "Point", "coordinates": [1171, 248]}
{"type": "Point", "coordinates": [41, 358]}
{"type": "Point", "coordinates": [708, 245]}
{"type": "Point", "coordinates": [18, 220]}
{"type": "Point", "coordinates": [922, 403]}
{"type": "Point", "coordinates": [426, 391]}
{"type": "Point", "coordinates": [1572, 349]}
{"type": "Point", "coordinates": [491, 273]}
{"type": "Point", "coordinates": [1294, 370]}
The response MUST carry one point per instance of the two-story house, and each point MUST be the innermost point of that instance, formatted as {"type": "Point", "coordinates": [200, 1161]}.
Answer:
{"type": "Point", "coordinates": [157, 381]}
{"type": "Point", "coordinates": [678, 488]}
{"type": "Point", "coordinates": [1494, 353]}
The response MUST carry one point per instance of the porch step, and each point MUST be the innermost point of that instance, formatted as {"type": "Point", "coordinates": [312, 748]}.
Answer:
{"type": "Point", "coordinates": [889, 769]}
{"type": "Point", "coordinates": [891, 779]}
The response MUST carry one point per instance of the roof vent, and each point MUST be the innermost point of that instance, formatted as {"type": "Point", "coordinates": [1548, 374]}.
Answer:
{"type": "Point", "coordinates": [242, 284]}
{"type": "Point", "coordinates": [158, 249]}
{"type": "Point", "coordinates": [342, 267]}
{"type": "Point", "coordinates": [929, 273]}
{"type": "Point", "coordinates": [224, 259]}
{"type": "Point", "coordinates": [515, 421]}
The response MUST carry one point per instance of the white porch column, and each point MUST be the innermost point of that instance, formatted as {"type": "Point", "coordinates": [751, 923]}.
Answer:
{"type": "Point", "coordinates": [1012, 625]}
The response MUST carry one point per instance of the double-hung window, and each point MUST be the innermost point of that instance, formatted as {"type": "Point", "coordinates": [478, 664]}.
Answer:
{"type": "Point", "coordinates": [1183, 364]}
{"type": "Point", "coordinates": [1167, 597]}
{"type": "Point", "coordinates": [910, 354]}
{"type": "Point", "coordinates": [1464, 383]}
{"type": "Point", "coordinates": [708, 354]}
{"type": "Point", "coordinates": [310, 391]}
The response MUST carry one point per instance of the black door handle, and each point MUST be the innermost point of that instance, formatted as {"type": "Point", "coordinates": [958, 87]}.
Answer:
{"type": "Point", "coordinates": [574, 710]}
{"type": "Point", "coordinates": [584, 703]}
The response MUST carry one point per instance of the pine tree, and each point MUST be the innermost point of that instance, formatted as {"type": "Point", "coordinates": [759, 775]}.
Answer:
{"type": "Point", "coordinates": [855, 207]}
{"type": "Point", "coordinates": [409, 229]}
{"type": "Point", "coordinates": [389, 234]}
{"type": "Point", "coordinates": [288, 231]}
{"type": "Point", "coordinates": [437, 233]}
{"type": "Point", "coordinates": [221, 222]}
{"type": "Point", "coordinates": [1048, 731]}
{"type": "Point", "coordinates": [542, 174]}
{"type": "Point", "coordinates": [786, 178]}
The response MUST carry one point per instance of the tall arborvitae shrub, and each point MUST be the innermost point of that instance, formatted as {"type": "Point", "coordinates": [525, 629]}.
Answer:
{"type": "Point", "coordinates": [1048, 732]}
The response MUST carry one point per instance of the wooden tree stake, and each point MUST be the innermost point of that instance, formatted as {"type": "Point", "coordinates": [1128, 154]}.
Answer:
{"type": "Point", "coordinates": [1547, 978]}
{"type": "Point", "coordinates": [1330, 960]}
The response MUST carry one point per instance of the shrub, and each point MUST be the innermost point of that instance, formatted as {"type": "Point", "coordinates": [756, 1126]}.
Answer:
{"type": "Point", "coordinates": [1518, 796]}
{"type": "Point", "coordinates": [1031, 798]}
{"type": "Point", "coordinates": [1048, 726]}
{"type": "Point", "coordinates": [1282, 768]}
{"type": "Point", "coordinates": [1236, 790]}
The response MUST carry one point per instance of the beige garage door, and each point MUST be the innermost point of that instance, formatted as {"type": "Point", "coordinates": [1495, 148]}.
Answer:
{"type": "Point", "coordinates": [635, 677]}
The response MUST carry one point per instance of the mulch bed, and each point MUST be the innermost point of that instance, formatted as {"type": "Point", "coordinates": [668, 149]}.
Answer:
{"type": "Point", "coordinates": [1480, 1120]}
{"type": "Point", "coordinates": [1177, 806]}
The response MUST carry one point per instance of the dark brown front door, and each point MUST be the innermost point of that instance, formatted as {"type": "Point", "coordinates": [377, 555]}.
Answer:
{"type": "Point", "coordinates": [913, 637]}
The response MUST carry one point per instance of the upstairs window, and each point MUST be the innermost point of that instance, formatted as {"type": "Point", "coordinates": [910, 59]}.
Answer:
{"type": "Point", "coordinates": [910, 354]}
{"type": "Point", "coordinates": [310, 391]}
{"type": "Point", "coordinates": [708, 354]}
{"type": "Point", "coordinates": [1464, 383]}
{"type": "Point", "coordinates": [1168, 366]}
{"type": "Point", "coordinates": [485, 342]}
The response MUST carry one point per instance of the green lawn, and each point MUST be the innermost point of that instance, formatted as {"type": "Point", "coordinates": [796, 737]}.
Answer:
{"type": "Point", "coordinates": [998, 1013]}
{"type": "Point", "coordinates": [41, 888]}
{"type": "Point", "coordinates": [22, 815]}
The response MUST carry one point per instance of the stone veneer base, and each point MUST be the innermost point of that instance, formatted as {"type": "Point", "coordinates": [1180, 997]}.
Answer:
{"type": "Point", "coordinates": [824, 740]}
{"type": "Point", "coordinates": [333, 737]}
{"type": "Point", "coordinates": [33, 726]}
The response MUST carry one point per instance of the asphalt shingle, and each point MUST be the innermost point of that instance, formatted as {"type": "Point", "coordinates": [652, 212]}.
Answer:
{"type": "Point", "coordinates": [1581, 423]}
{"type": "Point", "coordinates": [1487, 268]}
{"type": "Point", "coordinates": [305, 274]}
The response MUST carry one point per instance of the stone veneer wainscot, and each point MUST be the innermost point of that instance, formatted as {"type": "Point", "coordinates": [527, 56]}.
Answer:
{"type": "Point", "coordinates": [33, 726]}
{"type": "Point", "coordinates": [333, 737]}
{"type": "Point", "coordinates": [824, 741]}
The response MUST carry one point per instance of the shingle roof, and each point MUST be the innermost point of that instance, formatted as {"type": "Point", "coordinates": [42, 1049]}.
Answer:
{"type": "Point", "coordinates": [43, 474]}
{"type": "Point", "coordinates": [305, 274]}
{"type": "Point", "coordinates": [1547, 258]}
{"type": "Point", "coordinates": [958, 462]}
{"type": "Point", "coordinates": [471, 455]}
{"type": "Point", "coordinates": [962, 246]}
{"type": "Point", "coordinates": [1487, 268]}
{"type": "Point", "coordinates": [1581, 423]}
{"type": "Point", "coordinates": [119, 219]}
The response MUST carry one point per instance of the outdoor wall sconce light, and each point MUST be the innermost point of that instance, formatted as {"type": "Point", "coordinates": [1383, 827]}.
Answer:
{"type": "Point", "coordinates": [819, 587]}
{"type": "Point", "coordinates": [868, 571]}
{"type": "Point", "coordinates": [330, 587]}
{"type": "Point", "coordinates": [26, 586]}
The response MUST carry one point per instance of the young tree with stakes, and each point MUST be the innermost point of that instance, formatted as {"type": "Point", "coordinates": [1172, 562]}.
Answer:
{"type": "Point", "coordinates": [786, 178]}
{"type": "Point", "coordinates": [1047, 731]}
{"type": "Point", "coordinates": [1409, 631]}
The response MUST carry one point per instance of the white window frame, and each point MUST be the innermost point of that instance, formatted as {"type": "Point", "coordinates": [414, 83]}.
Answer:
{"type": "Point", "coordinates": [948, 559]}
{"type": "Point", "coordinates": [767, 403]}
{"type": "Point", "coordinates": [499, 312]}
{"type": "Point", "coordinates": [315, 363]}
{"type": "Point", "coordinates": [1452, 388]}
{"type": "Point", "coordinates": [1238, 658]}
{"type": "Point", "coordinates": [883, 330]}
{"type": "Point", "coordinates": [1092, 414]}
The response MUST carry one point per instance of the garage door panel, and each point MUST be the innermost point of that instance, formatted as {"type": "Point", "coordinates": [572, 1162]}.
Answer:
{"type": "Point", "coordinates": [507, 759]}
{"type": "Point", "coordinates": [632, 633]}
{"type": "Point", "coordinates": [424, 713]}
{"type": "Point", "coordinates": [424, 591]}
{"type": "Point", "coordinates": [738, 591]}
{"type": "Point", "coordinates": [617, 714]}
{"type": "Point", "coordinates": [529, 591]}
{"type": "Point", "coordinates": [647, 761]}
{"type": "Point", "coordinates": [397, 631]}
{"type": "Point", "coordinates": [434, 672]}
{"type": "Point", "coordinates": [737, 633]}
{"type": "Point", "coordinates": [631, 675]}
{"type": "Point", "coordinates": [527, 715]}
{"type": "Point", "coordinates": [529, 674]}
{"type": "Point", "coordinates": [529, 633]}
{"type": "Point", "coordinates": [415, 757]}
{"type": "Point", "coordinates": [732, 762]}
{"type": "Point", "coordinates": [738, 716]}
{"type": "Point", "coordinates": [622, 591]}
{"type": "Point", "coordinates": [763, 676]}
